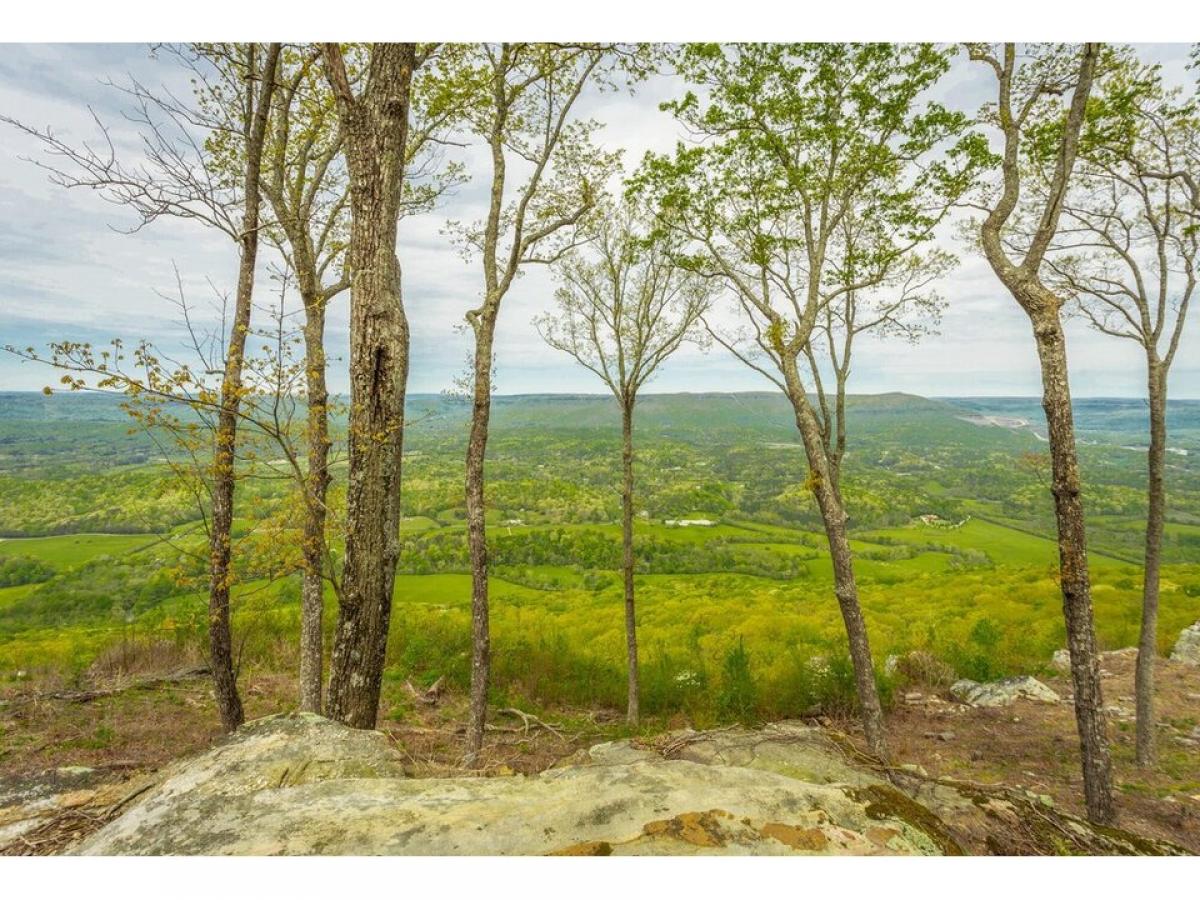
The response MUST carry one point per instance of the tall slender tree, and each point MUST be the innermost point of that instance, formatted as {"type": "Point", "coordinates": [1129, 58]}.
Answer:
{"type": "Point", "coordinates": [374, 123]}
{"type": "Point", "coordinates": [184, 174]}
{"type": "Point", "coordinates": [1022, 91]}
{"type": "Point", "coordinates": [520, 101]}
{"type": "Point", "coordinates": [1125, 254]}
{"type": "Point", "coordinates": [869, 291]}
{"type": "Point", "coordinates": [260, 78]}
{"type": "Point", "coordinates": [622, 310]}
{"type": "Point", "coordinates": [819, 171]}
{"type": "Point", "coordinates": [307, 191]}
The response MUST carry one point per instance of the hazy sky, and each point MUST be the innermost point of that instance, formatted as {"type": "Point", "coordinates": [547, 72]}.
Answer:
{"type": "Point", "coordinates": [66, 273]}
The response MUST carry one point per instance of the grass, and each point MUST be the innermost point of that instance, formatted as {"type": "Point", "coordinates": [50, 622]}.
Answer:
{"type": "Point", "coordinates": [1004, 546]}
{"type": "Point", "coordinates": [70, 550]}
{"type": "Point", "coordinates": [416, 524]}
{"type": "Point", "coordinates": [13, 594]}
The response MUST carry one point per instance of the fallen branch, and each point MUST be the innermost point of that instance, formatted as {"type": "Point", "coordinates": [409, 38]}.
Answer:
{"type": "Point", "coordinates": [528, 719]}
{"type": "Point", "coordinates": [669, 748]}
{"type": "Point", "coordinates": [89, 695]}
{"type": "Point", "coordinates": [430, 696]}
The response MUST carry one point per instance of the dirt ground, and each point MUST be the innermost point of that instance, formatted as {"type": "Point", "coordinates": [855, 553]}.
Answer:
{"type": "Point", "coordinates": [1035, 745]}
{"type": "Point", "coordinates": [124, 735]}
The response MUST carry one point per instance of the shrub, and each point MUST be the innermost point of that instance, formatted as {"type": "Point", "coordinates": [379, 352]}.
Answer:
{"type": "Point", "coordinates": [15, 570]}
{"type": "Point", "coordinates": [921, 668]}
{"type": "Point", "coordinates": [671, 684]}
{"type": "Point", "coordinates": [736, 699]}
{"type": "Point", "coordinates": [138, 658]}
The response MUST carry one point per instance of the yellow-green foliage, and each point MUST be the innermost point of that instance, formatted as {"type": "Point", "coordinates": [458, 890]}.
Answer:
{"type": "Point", "coordinates": [713, 645]}
{"type": "Point", "coordinates": [567, 645]}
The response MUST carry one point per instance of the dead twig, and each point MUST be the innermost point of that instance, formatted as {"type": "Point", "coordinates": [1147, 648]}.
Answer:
{"type": "Point", "coordinates": [88, 696]}
{"type": "Point", "coordinates": [667, 749]}
{"type": "Point", "coordinates": [528, 719]}
{"type": "Point", "coordinates": [430, 696]}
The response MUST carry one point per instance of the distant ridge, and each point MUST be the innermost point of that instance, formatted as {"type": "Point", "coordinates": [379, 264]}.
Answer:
{"type": "Point", "coordinates": [698, 415]}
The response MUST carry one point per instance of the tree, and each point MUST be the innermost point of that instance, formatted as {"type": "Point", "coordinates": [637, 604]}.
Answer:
{"type": "Point", "coordinates": [1186, 162]}
{"type": "Point", "coordinates": [181, 176]}
{"type": "Point", "coordinates": [621, 313]}
{"type": "Point", "coordinates": [870, 290]}
{"type": "Point", "coordinates": [1022, 90]}
{"type": "Point", "coordinates": [1125, 254]}
{"type": "Point", "coordinates": [374, 124]}
{"type": "Point", "coordinates": [307, 187]}
{"type": "Point", "coordinates": [220, 643]}
{"type": "Point", "coordinates": [817, 176]}
{"type": "Point", "coordinates": [518, 99]}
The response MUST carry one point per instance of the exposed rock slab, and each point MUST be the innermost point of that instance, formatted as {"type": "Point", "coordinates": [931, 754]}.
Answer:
{"type": "Point", "coordinates": [253, 795]}
{"type": "Point", "coordinates": [1003, 692]}
{"type": "Point", "coordinates": [1061, 660]}
{"type": "Point", "coordinates": [304, 785]}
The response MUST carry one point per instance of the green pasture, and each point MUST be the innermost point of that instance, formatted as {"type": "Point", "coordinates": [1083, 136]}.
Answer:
{"type": "Point", "coordinates": [70, 550]}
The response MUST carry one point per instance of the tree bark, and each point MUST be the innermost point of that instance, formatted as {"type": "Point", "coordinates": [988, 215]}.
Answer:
{"type": "Point", "coordinates": [631, 709]}
{"type": "Point", "coordinates": [833, 514]}
{"type": "Point", "coordinates": [220, 639]}
{"type": "Point", "coordinates": [312, 588]}
{"type": "Point", "coordinates": [376, 128]}
{"type": "Point", "coordinates": [1155, 516]}
{"type": "Point", "coordinates": [1073, 562]}
{"type": "Point", "coordinates": [481, 641]}
{"type": "Point", "coordinates": [1042, 307]}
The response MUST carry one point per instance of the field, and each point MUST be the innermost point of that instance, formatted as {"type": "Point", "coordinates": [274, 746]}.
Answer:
{"type": "Point", "coordinates": [735, 618]}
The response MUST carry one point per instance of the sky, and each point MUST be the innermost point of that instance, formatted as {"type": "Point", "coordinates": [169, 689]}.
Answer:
{"type": "Point", "coordinates": [69, 270]}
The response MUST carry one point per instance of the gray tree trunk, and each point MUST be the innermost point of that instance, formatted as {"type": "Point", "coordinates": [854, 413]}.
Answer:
{"type": "Point", "coordinates": [631, 709]}
{"type": "Point", "coordinates": [833, 514]}
{"type": "Point", "coordinates": [1073, 561]}
{"type": "Point", "coordinates": [1042, 307]}
{"type": "Point", "coordinates": [220, 639]}
{"type": "Point", "coordinates": [312, 587]}
{"type": "Point", "coordinates": [376, 128]}
{"type": "Point", "coordinates": [1156, 503]}
{"type": "Point", "coordinates": [481, 641]}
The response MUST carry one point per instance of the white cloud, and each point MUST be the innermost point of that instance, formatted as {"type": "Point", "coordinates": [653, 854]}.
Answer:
{"type": "Point", "coordinates": [65, 273]}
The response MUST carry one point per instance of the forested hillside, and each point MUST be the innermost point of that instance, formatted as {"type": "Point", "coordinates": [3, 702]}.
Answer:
{"type": "Point", "coordinates": [118, 530]}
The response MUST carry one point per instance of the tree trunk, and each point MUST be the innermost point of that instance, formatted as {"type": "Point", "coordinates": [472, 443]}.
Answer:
{"type": "Point", "coordinates": [1155, 516]}
{"type": "Point", "coordinates": [631, 709]}
{"type": "Point", "coordinates": [1073, 564]}
{"type": "Point", "coordinates": [376, 128]}
{"type": "Point", "coordinates": [312, 589]}
{"type": "Point", "coordinates": [833, 514]}
{"type": "Point", "coordinates": [481, 641]}
{"type": "Point", "coordinates": [220, 639]}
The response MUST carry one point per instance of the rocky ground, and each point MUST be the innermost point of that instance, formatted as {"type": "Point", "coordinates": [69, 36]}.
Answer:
{"type": "Point", "coordinates": [69, 765]}
{"type": "Point", "coordinates": [298, 784]}
{"type": "Point", "coordinates": [1034, 744]}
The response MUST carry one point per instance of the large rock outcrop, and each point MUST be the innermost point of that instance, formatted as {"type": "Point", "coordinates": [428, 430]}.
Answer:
{"type": "Point", "coordinates": [300, 784]}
